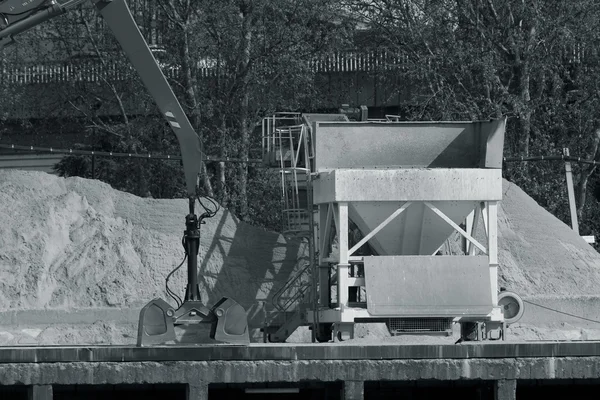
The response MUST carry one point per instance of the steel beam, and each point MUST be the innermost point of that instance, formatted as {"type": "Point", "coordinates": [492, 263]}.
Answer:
{"type": "Point", "coordinates": [416, 184]}
{"type": "Point", "coordinates": [379, 227]}
{"type": "Point", "coordinates": [343, 265]}
{"type": "Point", "coordinates": [492, 211]}
{"type": "Point", "coordinates": [456, 227]}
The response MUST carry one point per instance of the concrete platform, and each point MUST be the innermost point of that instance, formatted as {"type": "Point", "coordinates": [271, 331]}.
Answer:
{"type": "Point", "coordinates": [297, 352]}
{"type": "Point", "coordinates": [332, 371]}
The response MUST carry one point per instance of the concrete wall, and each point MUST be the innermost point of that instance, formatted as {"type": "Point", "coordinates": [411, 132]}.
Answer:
{"type": "Point", "coordinates": [503, 372]}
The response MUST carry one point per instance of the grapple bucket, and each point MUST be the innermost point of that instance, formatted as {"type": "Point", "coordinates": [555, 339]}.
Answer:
{"type": "Point", "coordinates": [231, 325]}
{"type": "Point", "coordinates": [156, 323]}
{"type": "Point", "coordinates": [227, 319]}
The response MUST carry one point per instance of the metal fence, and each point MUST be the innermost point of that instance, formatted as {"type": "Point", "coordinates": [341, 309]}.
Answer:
{"type": "Point", "coordinates": [93, 70]}
{"type": "Point", "coordinates": [96, 70]}
{"type": "Point", "coordinates": [73, 71]}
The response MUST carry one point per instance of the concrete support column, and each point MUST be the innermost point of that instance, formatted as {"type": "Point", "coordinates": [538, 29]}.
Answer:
{"type": "Point", "coordinates": [354, 390]}
{"type": "Point", "coordinates": [40, 392]}
{"type": "Point", "coordinates": [506, 389]}
{"type": "Point", "coordinates": [197, 391]}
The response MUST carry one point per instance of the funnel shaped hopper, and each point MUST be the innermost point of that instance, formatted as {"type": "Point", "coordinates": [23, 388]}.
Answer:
{"type": "Point", "coordinates": [440, 171]}
{"type": "Point", "coordinates": [416, 231]}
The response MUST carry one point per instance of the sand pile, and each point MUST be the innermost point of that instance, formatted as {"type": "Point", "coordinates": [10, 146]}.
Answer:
{"type": "Point", "coordinates": [68, 245]}
{"type": "Point", "coordinates": [540, 255]}
{"type": "Point", "coordinates": [79, 244]}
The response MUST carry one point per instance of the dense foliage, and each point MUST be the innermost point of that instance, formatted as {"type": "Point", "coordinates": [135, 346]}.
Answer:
{"type": "Point", "coordinates": [233, 62]}
{"type": "Point", "coordinates": [533, 62]}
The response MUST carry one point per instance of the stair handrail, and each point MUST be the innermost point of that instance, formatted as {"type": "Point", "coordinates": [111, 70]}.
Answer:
{"type": "Point", "coordinates": [275, 299]}
{"type": "Point", "coordinates": [297, 296]}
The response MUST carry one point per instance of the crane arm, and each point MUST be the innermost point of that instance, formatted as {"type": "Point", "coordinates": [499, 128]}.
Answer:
{"type": "Point", "coordinates": [21, 15]}
{"type": "Point", "coordinates": [121, 22]}
{"type": "Point", "coordinates": [228, 319]}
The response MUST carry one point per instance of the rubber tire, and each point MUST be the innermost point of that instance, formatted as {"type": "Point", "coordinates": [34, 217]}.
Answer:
{"type": "Point", "coordinates": [324, 333]}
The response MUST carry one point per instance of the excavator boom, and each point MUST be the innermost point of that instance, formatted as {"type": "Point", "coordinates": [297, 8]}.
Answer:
{"type": "Point", "coordinates": [157, 319]}
{"type": "Point", "coordinates": [121, 23]}
{"type": "Point", "coordinates": [17, 16]}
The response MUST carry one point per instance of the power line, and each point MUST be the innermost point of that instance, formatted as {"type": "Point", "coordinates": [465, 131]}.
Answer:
{"type": "Point", "coordinates": [552, 158]}
{"type": "Point", "coordinates": [123, 155]}
{"type": "Point", "coordinates": [561, 312]}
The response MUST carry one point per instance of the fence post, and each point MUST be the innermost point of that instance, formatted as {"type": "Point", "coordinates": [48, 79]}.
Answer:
{"type": "Point", "coordinates": [571, 192]}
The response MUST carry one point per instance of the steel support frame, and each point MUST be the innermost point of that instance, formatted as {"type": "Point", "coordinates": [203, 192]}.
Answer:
{"type": "Point", "coordinates": [486, 211]}
{"type": "Point", "coordinates": [270, 124]}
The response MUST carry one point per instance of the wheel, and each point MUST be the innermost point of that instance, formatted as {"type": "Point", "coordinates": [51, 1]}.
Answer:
{"type": "Point", "coordinates": [512, 306]}
{"type": "Point", "coordinates": [324, 332]}
{"type": "Point", "coordinates": [343, 331]}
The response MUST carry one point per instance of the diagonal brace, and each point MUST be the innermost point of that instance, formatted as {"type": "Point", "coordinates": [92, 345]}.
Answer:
{"type": "Point", "coordinates": [456, 227]}
{"type": "Point", "coordinates": [379, 227]}
{"type": "Point", "coordinates": [326, 231]}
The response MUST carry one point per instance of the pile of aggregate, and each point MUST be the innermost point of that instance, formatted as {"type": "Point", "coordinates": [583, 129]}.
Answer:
{"type": "Point", "coordinates": [73, 246]}
{"type": "Point", "coordinates": [77, 244]}
{"type": "Point", "coordinates": [540, 255]}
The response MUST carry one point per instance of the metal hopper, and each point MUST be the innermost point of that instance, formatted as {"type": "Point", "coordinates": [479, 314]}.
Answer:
{"type": "Point", "coordinates": [407, 186]}
{"type": "Point", "coordinates": [385, 197]}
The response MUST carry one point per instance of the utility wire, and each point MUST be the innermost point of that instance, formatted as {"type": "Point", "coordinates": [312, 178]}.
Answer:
{"type": "Point", "coordinates": [123, 155]}
{"type": "Point", "coordinates": [561, 312]}
{"type": "Point", "coordinates": [552, 158]}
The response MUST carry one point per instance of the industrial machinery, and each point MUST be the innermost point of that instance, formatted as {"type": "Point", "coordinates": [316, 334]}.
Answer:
{"type": "Point", "coordinates": [158, 319]}
{"type": "Point", "coordinates": [379, 202]}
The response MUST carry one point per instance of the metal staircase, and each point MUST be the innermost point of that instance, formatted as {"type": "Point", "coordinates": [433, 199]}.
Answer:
{"type": "Point", "coordinates": [290, 301]}
{"type": "Point", "coordinates": [287, 148]}
{"type": "Point", "coordinates": [290, 294]}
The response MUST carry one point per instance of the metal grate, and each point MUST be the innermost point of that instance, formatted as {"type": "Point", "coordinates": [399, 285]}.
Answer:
{"type": "Point", "coordinates": [413, 325]}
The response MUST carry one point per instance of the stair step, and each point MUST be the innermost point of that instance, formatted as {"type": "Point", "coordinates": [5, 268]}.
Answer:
{"type": "Point", "coordinates": [288, 328]}
{"type": "Point", "coordinates": [270, 328]}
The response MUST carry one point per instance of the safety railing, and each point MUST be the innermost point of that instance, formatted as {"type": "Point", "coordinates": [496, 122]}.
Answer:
{"type": "Point", "coordinates": [287, 147]}
{"type": "Point", "coordinates": [295, 175]}
{"type": "Point", "coordinates": [291, 294]}
{"type": "Point", "coordinates": [270, 141]}
{"type": "Point", "coordinates": [92, 69]}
